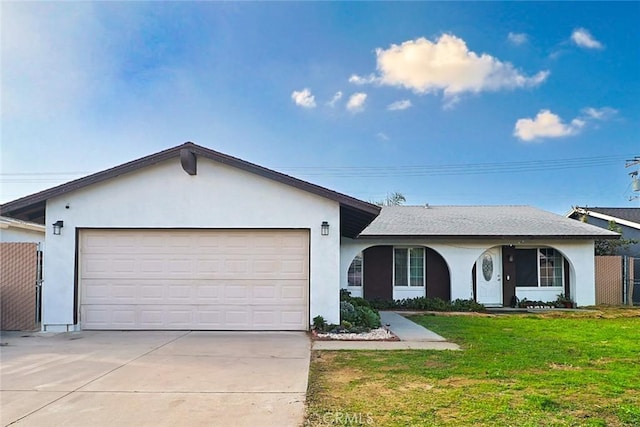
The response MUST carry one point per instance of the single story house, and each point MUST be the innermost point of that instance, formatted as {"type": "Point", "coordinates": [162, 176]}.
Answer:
{"type": "Point", "coordinates": [627, 218]}
{"type": "Point", "coordinates": [190, 238]}
{"type": "Point", "coordinates": [17, 231]}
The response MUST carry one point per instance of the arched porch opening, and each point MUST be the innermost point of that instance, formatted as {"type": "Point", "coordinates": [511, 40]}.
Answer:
{"type": "Point", "coordinates": [503, 275]}
{"type": "Point", "coordinates": [390, 272]}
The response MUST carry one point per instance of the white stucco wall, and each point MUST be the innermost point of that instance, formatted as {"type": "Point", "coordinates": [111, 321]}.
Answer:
{"type": "Point", "coordinates": [18, 235]}
{"type": "Point", "coordinates": [164, 196]}
{"type": "Point", "coordinates": [461, 255]}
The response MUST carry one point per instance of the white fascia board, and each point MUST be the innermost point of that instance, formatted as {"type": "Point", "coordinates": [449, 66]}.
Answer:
{"type": "Point", "coordinates": [618, 221]}
{"type": "Point", "coordinates": [4, 224]}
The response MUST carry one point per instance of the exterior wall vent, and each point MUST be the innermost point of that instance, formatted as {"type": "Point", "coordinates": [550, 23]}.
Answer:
{"type": "Point", "coordinates": [189, 161]}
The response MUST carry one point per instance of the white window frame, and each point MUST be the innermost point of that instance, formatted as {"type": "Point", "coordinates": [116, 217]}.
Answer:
{"type": "Point", "coordinates": [424, 267]}
{"type": "Point", "coordinates": [539, 251]}
{"type": "Point", "coordinates": [539, 269]}
{"type": "Point", "coordinates": [361, 256]}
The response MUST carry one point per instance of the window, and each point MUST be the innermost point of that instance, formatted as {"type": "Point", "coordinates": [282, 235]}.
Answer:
{"type": "Point", "coordinates": [354, 275]}
{"type": "Point", "coordinates": [408, 266]}
{"type": "Point", "coordinates": [551, 264]}
{"type": "Point", "coordinates": [543, 267]}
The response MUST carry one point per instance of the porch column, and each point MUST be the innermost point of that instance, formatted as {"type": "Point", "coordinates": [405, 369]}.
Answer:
{"type": "Point", "coordinates": [582, 270]}
{"type": "Point", "coordinates": [460, 261]}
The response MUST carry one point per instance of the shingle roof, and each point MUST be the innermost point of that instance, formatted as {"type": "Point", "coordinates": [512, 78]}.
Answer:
{"type": "Point", "coordinates": [628, 214]}
{"type": "Point", "coordinates": [479, 222]}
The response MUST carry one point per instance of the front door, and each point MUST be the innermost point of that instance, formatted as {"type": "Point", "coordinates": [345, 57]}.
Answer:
{"type": "Point", "coordinates": [489, 277]}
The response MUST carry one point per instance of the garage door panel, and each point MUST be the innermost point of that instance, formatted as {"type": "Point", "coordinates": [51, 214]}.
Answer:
{"type": "Point", "coordinates": [204, 292]}
{"type": "Point", "coordinates": [185, 317]}
{"type": "Point", "coordinates": [150, 293]}
{"type": "Point", "coordinates": [194, 279]}
{"type": "Point", "coordinates": [150, 317]}
{"type": "Point", "coordinates": [207, 267]}
{"type": "Point", "coordinates": [292, 293]}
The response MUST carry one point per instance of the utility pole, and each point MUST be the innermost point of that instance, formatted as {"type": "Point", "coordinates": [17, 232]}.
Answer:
{"type": "Point", "coordinates": [635, 181]}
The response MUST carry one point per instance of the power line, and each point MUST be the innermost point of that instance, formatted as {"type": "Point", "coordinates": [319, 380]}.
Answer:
{"type": "Point", "coordinates": [377, 171]}
{"type": "Point", "coordinates": [457, 169]}
{"type": "Point", "coordinates": [42, 173]}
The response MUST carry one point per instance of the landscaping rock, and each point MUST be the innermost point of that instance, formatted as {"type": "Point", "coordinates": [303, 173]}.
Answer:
{"type": "Point", "coordinates": [379, 334]}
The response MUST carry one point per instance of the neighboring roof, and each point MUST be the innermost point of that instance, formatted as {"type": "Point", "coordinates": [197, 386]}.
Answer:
{"type": "Point", "coordinates": [475, 222]}
{"type": "Point", "coordinates": [355, 214]}
{"type": "Point", "coordinates": [622, 216]}
{"type": "Point", "coordinates": [6, 222]}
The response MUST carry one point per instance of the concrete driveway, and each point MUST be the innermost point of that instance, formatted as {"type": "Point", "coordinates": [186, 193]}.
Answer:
{"type": "Point", "coordinates": [153, 378]}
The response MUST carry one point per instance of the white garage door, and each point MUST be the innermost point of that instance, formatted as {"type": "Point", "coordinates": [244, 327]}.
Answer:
{"type": "Point", "coordinates": [194, 279]}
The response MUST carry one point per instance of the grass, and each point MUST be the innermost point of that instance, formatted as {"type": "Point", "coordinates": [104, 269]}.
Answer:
{"type": "Point", "coordinates": [556, 369]}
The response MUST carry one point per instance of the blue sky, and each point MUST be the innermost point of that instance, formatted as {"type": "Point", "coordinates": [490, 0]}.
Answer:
{"type": "Point", "coordinates": [449, 103]}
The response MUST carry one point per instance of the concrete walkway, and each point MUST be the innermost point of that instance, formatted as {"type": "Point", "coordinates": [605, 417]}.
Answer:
{"type": "Point", "coordinates": [412, 337]}
{"type": "Point", "coordinates": [153, 378]}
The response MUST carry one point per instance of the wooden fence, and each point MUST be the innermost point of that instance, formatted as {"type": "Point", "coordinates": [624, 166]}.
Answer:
{"type": "Point", "coordinates": [18, 290]}
{"type": "Point", "coordinates": [614, 280]}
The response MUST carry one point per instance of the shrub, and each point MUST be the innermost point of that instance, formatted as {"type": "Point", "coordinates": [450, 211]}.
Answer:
{"type": "Point", "coordinates": [357, 301]}
{"type": "Point", "coordinates": [356, 314]}
{"type": "Point", "coordinates": [367, 317]}
{"type": "Point", "coordinates": [380, 304]}
{"type": "Point", "coordinates": [428, 304]}
{"type": "Point", "coordinates": [345, 295]}
{"type": "Point", "coordinates": [348, 312]}
{"type": "Point", "coordinates": [525, 303]}
{"type": "Point", "coordinates": [467, 305]}
{"type": "Point", "coordinates": [319, 323]}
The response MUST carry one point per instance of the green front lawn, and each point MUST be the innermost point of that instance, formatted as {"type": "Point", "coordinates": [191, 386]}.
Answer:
{"type": "Point", "coordinates": [557, 369]}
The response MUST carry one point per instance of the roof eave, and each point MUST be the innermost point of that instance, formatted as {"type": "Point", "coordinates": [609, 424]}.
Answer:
{"type": "Point", "coordinates": [486, 237]}
{"type": "Point", "coordinates": [368, 210]}
{"type": "Point", "coordinates": [605, 217]}
{"type": "Point", "coordinates": [97, 177]}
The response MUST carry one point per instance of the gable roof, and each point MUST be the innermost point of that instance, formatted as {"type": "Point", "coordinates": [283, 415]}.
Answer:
{"type": "Point", "coordinates": [622, 216]}
{"type": "Point", "coordinates": [355, 214]}
{"type": "Point", "coordinates": [478, 222]}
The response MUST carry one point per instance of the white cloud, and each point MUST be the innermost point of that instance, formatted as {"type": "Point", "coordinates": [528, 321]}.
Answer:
{"type": "Point", "coordinates": [360, 80]}
{"type": "Point", "coordinates": [546, 125]}
{"type": "Point", "coordinates": [399, 105]}
{"type": "Point", "coordinates": [517, 38]}
{"type": "Point", "coordinates": [445, 65]}
{"type": "Point", "coordinates": [303, 98]}
{"type": "Point", "coordinates": [335, 99]}
{"type": "Point", "coordinates": [583, 38]}
{"type": "Point", "coordinates": [604, 113]}
{"type": "Point", "coordinates": [356, 102]}
{"type": "Point", "coordinates": [382, 136]}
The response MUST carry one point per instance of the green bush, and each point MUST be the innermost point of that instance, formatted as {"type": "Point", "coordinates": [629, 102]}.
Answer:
{"type": "Point", "coordinates": [428, 304]}
{"type": "Point", "coordinates": [319, 323]}
{"type": "Point", "coordinates": [357, 301]}
{"type": "Point", "coordinates": [346, 325]}
{"type": "Point", "coordinates": [356, 314]}
{"type": "Point", "coordinates": [525, 303]}
{"type": "Point", "coordinates": [348, 312]}
{"type": "Point", "coordinates": [380, 304]}
{"type": "Point", "coordinates": [467, 305]}
{"type": "Point", "coordinates": [367, 317]}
